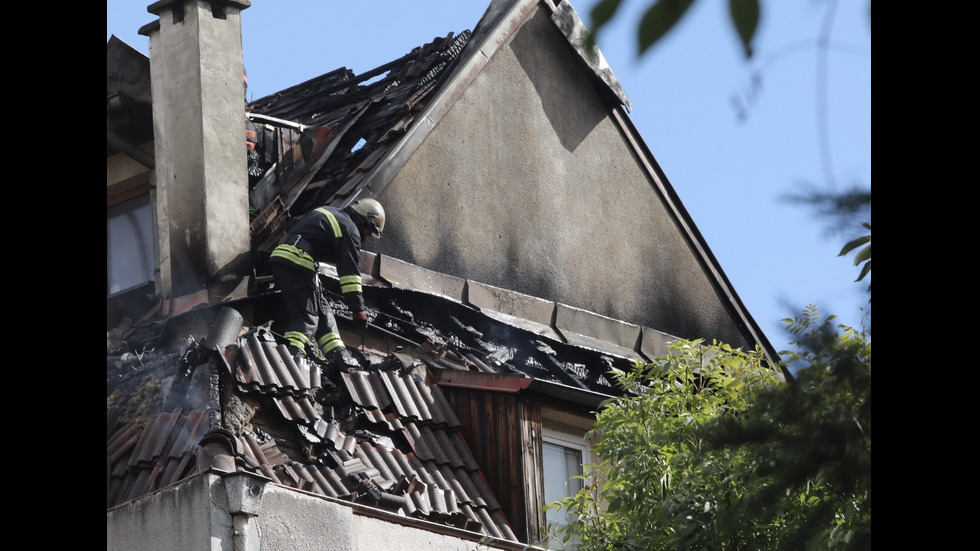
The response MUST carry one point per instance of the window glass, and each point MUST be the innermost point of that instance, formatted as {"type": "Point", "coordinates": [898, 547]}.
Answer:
{"type": "Point", "coordinates": [129, 245]}
{"type": "Point", "coordinates": [563, 456]}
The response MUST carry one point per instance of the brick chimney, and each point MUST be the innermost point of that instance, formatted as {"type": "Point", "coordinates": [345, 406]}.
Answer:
{"type": "Point", "coordinates": [196, 72]}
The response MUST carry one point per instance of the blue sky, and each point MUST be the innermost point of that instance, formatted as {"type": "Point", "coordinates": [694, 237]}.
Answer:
{"type": "Point", "coordinates": [733, 137]}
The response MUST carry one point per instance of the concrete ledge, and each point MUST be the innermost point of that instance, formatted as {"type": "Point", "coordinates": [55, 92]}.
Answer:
{"type": "Point", "coordinates": [370, 263]}
{"type": "Point", "coordinates": [409, 276]}
{"type": "Point", "coordinates": [552, 320]}
{"type": "Point", "coordinates": [588, 329]}
{"type": "Point", "coordinates": [653, 343]}
{"type": "Point", "coordinates": [488, 297]}
{"type": "Point", "coordinates": [525, 311]}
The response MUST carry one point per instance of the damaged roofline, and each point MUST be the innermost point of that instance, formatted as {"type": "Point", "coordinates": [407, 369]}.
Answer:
{"type": "Point", "coordinates": [515, 384]}
{"type": "Point", "coordinates": [477, 56]}
{"type": "Point", "coordinates": [549, 320]}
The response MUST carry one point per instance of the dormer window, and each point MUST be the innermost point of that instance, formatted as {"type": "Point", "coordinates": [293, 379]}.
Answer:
{"type": "Point", "coordinates": [129, 244]}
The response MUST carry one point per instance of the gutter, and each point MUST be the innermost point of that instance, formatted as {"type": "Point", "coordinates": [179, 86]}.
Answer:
{"type": "Point", "coordinates": [129, 149]}
{"type": "Point", "coordinates": [265, 119]}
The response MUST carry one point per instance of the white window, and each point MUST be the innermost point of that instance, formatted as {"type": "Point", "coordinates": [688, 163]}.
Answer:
{"type": "Point", "coordinates": [564, 455]}
{"type": "Point", "coordinates": [129, 245]}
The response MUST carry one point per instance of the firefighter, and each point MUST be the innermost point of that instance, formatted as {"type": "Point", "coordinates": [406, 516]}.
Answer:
{"type": "Point", "coordinates": [253, 146]}
{"type": "Point", "coordinates": [325, 234]}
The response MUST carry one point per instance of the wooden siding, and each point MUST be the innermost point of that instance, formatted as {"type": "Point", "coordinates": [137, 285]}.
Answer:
{"type": "Point", "coordinates": [503, 430]}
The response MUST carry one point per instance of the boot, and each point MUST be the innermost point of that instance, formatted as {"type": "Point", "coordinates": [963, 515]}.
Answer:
{"type": "Point", "coordinates": [342, 360]}
{"type": "Point", "coordinates": [328, 372]}
{"type": "Point", "coordinates": [329, 376]}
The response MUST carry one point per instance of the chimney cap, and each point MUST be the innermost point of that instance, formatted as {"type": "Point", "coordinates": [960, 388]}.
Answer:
{"type": "Point", "coordinates": [157, 7]}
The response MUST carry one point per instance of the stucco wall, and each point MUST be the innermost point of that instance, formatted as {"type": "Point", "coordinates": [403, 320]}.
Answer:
{"type": "Point", "coordinates": [527, 184]}
{"type": "Point", "coordinates": [198, 515]}
{"type": "Point", "coordinates": [172, 519]}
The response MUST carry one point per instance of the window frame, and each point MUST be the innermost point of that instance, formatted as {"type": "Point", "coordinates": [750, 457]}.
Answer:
{"type": "Point", "coordinates": [127, 207]}
{"type": "Point", "coordinates": [569, 438]}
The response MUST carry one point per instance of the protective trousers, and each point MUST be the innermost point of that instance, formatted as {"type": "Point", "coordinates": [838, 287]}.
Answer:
{"type": "Point", "coordinates": [308, 314]}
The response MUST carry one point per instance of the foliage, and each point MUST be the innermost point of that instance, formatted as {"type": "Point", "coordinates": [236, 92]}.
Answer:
{"type": "Point", "coordinates": [661, 16]}
{"type": "Point", "coordinates": [706, 452]}
{"type": "Point", "coordinates": [811, 444]}
{"type": "Point", "coordinates": [862, 256]}
{"type": "Point", "coordinates": [844, 210]}
{"type": "Point", "coordinates": [656, 485]}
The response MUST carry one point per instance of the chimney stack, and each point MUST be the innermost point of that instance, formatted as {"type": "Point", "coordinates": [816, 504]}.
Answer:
{"type": "Point", "coordinates": [196, 72]}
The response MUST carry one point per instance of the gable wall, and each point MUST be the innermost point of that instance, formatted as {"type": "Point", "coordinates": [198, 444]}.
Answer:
{"type": "Point", "coordinates": [527, 184]}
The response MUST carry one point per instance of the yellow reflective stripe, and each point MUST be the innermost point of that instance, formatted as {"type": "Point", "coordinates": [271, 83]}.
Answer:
{"type": "Point", "coordinates": [329, 341]}
{"type": "Point", "coordinates": [333, 222]}
{"type": "Point", "coordinates": [293, 254]}
{"type": "Point", "coordinates": [331, 336]}
{"type": "Point", "coordinates": [350, 284]}
{"type": "Point", "coordinates": [297, 339]}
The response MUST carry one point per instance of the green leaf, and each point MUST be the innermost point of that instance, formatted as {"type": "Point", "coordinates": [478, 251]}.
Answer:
{"type": "Point", "coordinates": [745, 17]}
{"type": "Point", "coordinates": [602, 12]}
{"type": "Point", "coordinates": [659, 19]}
{"type": "Point", "coordinates": [862, 255]}
{"type": "Point", "coordinates": [851, 245]}
{"type": "Point", "coordinates": [864, 271]}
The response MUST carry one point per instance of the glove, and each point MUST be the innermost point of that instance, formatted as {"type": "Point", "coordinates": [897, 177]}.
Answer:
{"type": "Point", "coordinates": [360, 318]}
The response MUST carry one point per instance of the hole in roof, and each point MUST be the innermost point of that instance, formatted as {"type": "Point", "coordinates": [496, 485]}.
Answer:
{"type": "Point", "coordinates": [374, 79]}
{"type": "Point", "coordinates": [360, 143]}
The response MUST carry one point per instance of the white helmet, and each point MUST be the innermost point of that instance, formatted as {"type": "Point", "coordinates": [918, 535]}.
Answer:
{"type": "Point", "coordinates": [372, 212]}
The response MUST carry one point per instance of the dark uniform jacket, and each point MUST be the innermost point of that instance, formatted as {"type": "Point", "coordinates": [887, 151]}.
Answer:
{"type": "Point", "coordinates": [326, 234]}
